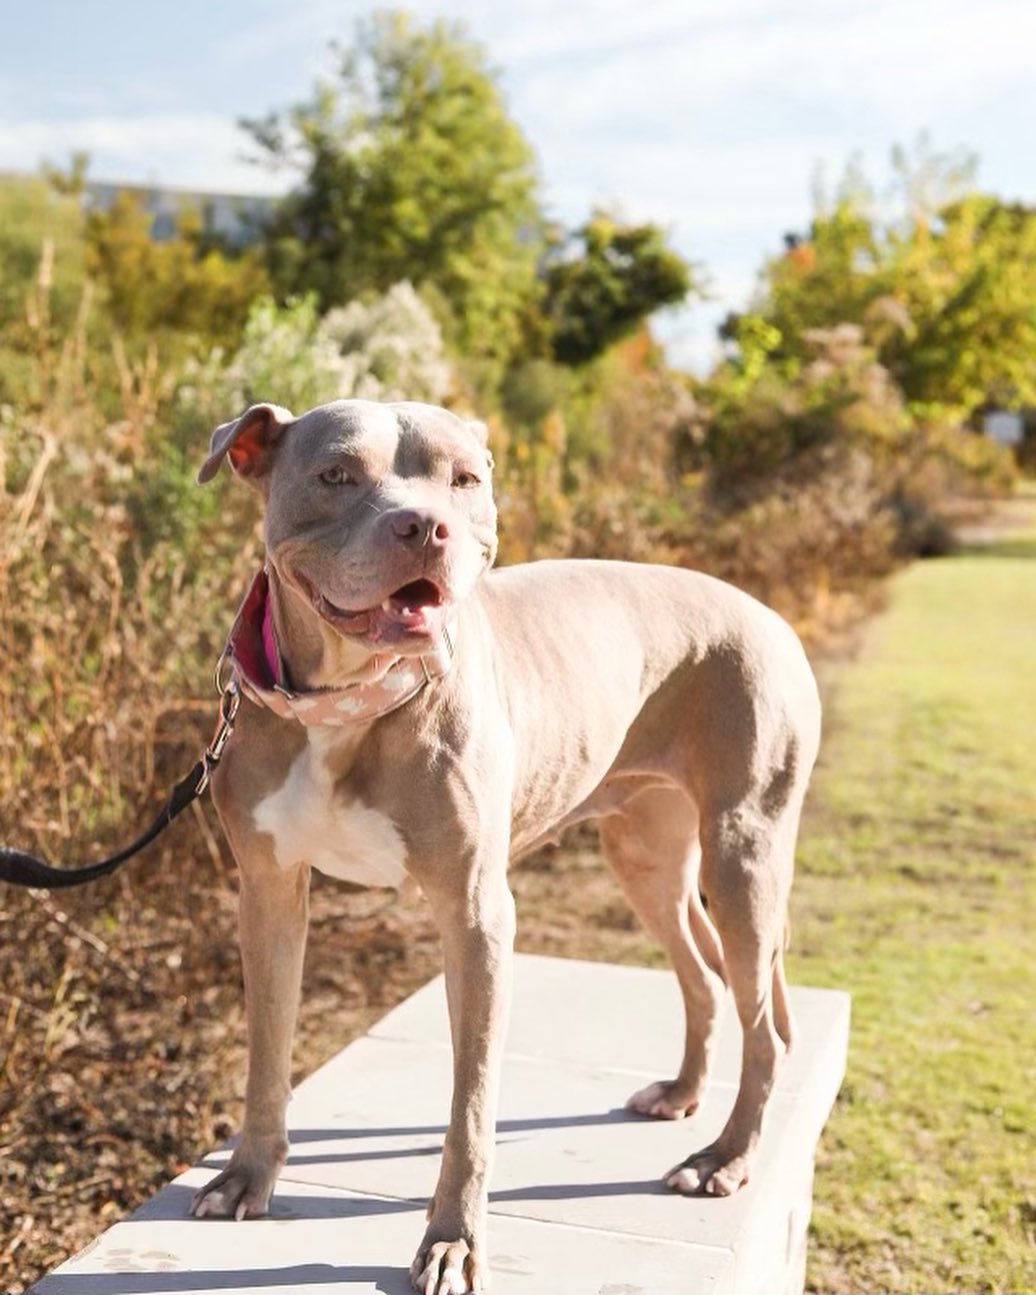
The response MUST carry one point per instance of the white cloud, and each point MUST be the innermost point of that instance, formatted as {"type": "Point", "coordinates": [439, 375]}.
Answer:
{"type": "Point", "coordinates": [718, 187]}
{"type": "Point", "coordinates": [187, 150]}
{"type": "Point", "coordinates": [899, 57]}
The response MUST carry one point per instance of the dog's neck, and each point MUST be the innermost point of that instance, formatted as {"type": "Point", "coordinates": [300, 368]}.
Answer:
{"type": "Point", "coordinates": [312, 654]}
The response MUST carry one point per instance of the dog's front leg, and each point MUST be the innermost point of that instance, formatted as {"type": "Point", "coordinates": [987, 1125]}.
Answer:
{"type": "Point", "coordinates": [477, 926]}
{"type": "Point", "coordinates": [272, 919]}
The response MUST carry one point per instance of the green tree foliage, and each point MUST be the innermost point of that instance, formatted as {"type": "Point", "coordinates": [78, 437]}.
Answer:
{"type": "Point", "coordinates": [940, 279]}
{"type": "Point", "coordinates": [411, 169]}
{"type": "Point", "coordinates": [760, 418]}
{"type": "Point", "coordinates": [180, 290]}
{"type": "Point", "coordinates": [967, 286]}
{"type": "Point", "coordinates": [69, 180]}
{"type": "Point", "coordinates": [603, 281]}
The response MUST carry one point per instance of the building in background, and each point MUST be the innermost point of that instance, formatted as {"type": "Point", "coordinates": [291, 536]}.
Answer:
{"type": "Point", "coordinates": [230, 217]}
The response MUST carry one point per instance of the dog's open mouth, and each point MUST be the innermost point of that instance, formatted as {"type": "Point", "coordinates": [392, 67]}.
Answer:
{"type": "Point", "coordinates": [416, 609]}
{"type": "Point", "coordinates": [415, 604]}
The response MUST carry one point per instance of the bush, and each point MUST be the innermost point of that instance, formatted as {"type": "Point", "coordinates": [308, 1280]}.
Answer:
{"type": "Point", "coordinates": [777, 433]}
{"type": "Point", "coordinates": [759, 415]}
{"type": "Point", "coordinates": [809, 545]}
{"type": "Point", "coordinates": [179, 291]}
{"type": "Point", "coordinates": [588, 466]}
{"type": "Point", "coordinates": [42, 281]}
{"type": "Point", "coordinates": [387, 349]}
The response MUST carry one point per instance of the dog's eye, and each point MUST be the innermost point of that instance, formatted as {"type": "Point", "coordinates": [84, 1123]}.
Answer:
{"type": "Point", "coordinates": [466, 480]}
{"type": "Point", "coordinates": [337, 477]}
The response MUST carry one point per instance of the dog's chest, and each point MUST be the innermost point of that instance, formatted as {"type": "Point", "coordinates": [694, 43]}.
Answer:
{"type": "Point", "coordinates": [312, 820]}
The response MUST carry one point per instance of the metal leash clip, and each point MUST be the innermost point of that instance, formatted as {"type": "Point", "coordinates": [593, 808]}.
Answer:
{"type": "Point", "coordinates": [229, 701]}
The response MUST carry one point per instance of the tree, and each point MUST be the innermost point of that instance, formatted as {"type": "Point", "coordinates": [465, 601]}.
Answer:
{"type": "Point", "coordinates": [942, 285]}
{"type": "Point", "coordinates": [175, 286]}
{"type": "Point", "coordinates": [966, 286]}
{"type": "Point", "coordinates": [604, 280]}
{"type": "Point", "coordinates": [69, 181]}
{"type": "Point", "coordinates": [411, 170]}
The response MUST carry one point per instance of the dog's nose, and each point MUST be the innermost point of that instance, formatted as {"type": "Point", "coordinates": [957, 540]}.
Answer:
{"type": "Point", "coordinates": [416, 528]}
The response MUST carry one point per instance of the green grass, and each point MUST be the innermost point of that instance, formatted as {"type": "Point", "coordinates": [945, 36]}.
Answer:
{"type": "Point", "coordinates": [916, 892]}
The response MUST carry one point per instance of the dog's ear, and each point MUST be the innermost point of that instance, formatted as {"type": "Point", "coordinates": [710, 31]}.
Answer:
{"type": "Point", "coordinates": [249, 442]}
{"type": "Point", "coordinates": [481, 433]}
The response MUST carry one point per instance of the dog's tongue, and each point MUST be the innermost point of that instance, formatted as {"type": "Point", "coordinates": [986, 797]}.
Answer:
{"type": "Point", "coordinates": [417, 608]}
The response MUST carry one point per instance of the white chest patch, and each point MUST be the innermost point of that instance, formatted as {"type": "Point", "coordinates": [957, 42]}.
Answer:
{"type": "Point", "coordinates": [311, 823]}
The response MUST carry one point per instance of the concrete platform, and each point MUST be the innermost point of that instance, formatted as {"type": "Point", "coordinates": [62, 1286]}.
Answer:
{"type": "Point", "coordinates": [576, 1206]}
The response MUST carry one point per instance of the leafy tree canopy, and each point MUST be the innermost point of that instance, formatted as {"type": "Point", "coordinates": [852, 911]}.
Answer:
{"type": "Point", "coordinates": [604, 280]}
{"type": "Point", "coordinates": [179, 285]}
{"type": "Point", "coordinates": [940, 278]}
{"type": "Point", "coordinates": [411, 169]}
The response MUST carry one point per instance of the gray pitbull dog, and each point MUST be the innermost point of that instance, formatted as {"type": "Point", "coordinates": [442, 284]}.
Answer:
{"type": "Point", "coordinates": [671, 707]}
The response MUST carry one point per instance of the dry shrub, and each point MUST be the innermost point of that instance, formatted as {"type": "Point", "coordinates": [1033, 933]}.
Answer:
{"type": "Point", "coordinates": [807, 527]}
{"type": "Point", "coordinates": [810, 546]}
{"type": "Point", "coordinates": [820, 479]}
{"type": "Point", "coordinates": [598, 477]}
{"type": "Point", "coordinates": [114, 597]}
{"type": "Point", "coordinates": [934, 468]}
{"type": "Point", "coordinates": [114, 587]}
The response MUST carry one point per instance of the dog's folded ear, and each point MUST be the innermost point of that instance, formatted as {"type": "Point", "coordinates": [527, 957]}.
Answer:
{"type": "Point", "coordinates": [481, 432]}
{"type": "Point", "coordinates": [249, 442]}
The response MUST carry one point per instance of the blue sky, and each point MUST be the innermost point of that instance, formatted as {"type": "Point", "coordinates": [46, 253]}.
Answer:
{"type": "Point", "coordinates": [709, 117]}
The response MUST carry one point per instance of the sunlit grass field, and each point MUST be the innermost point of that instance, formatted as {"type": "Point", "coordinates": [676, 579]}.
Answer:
{"type": "Point", "coordinates": [916, 892]}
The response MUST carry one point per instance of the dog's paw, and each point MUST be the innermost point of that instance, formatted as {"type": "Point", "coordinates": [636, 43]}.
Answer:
{"type": "Point", "coordinates": [709, 1173]}
{"type": "Point", "coordinates": [666, 1099]}
{"type": "Point", "coordinates": [241, 1191]}
{"type": "Point", "coordinates": [447, 1268]}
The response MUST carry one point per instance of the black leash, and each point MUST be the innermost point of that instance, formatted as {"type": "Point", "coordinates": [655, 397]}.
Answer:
{"type": "Point", "coordinates": [22, 869]}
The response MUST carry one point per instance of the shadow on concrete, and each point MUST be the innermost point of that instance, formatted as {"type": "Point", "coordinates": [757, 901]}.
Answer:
{"type": "Point", "coordinates": [576, 1191]}
{"type": "Point", "coordinates": [617, 1115]}
{"type": "Point", "coordinates": [342, 1157]}
{"type": "Point", "coordinates": [173, 1203]}
{"type": "Point", "coordinates": [299, 1137]}
{"type": "Point", "coordinates": [388, 1281]}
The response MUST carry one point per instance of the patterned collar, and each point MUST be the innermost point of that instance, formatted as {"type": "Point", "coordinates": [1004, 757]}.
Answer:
{"type": "Point", "coordinates": [389, 682]}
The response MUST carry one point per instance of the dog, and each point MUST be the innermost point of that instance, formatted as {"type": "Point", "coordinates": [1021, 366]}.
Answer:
{"type": "Point", "coordinates": [414, 714]}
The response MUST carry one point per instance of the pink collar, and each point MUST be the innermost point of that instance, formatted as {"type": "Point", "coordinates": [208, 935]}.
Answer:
{"type": "Point", "coordinates": [392, 681]}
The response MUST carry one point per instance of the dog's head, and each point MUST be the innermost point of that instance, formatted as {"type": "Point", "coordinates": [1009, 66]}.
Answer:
{"type": "Point", "coordinates": [380, 516]}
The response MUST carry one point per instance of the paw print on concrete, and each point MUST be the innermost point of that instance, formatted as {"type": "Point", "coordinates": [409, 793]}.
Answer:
{"type": "Point", "coordinates": [127, 1260]}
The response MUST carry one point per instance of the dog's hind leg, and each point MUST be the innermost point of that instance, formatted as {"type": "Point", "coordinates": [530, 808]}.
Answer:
{"type": "Point", "coordinates": [652, 844]}
{"type": "Point", "coordinates": [746, 876]}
